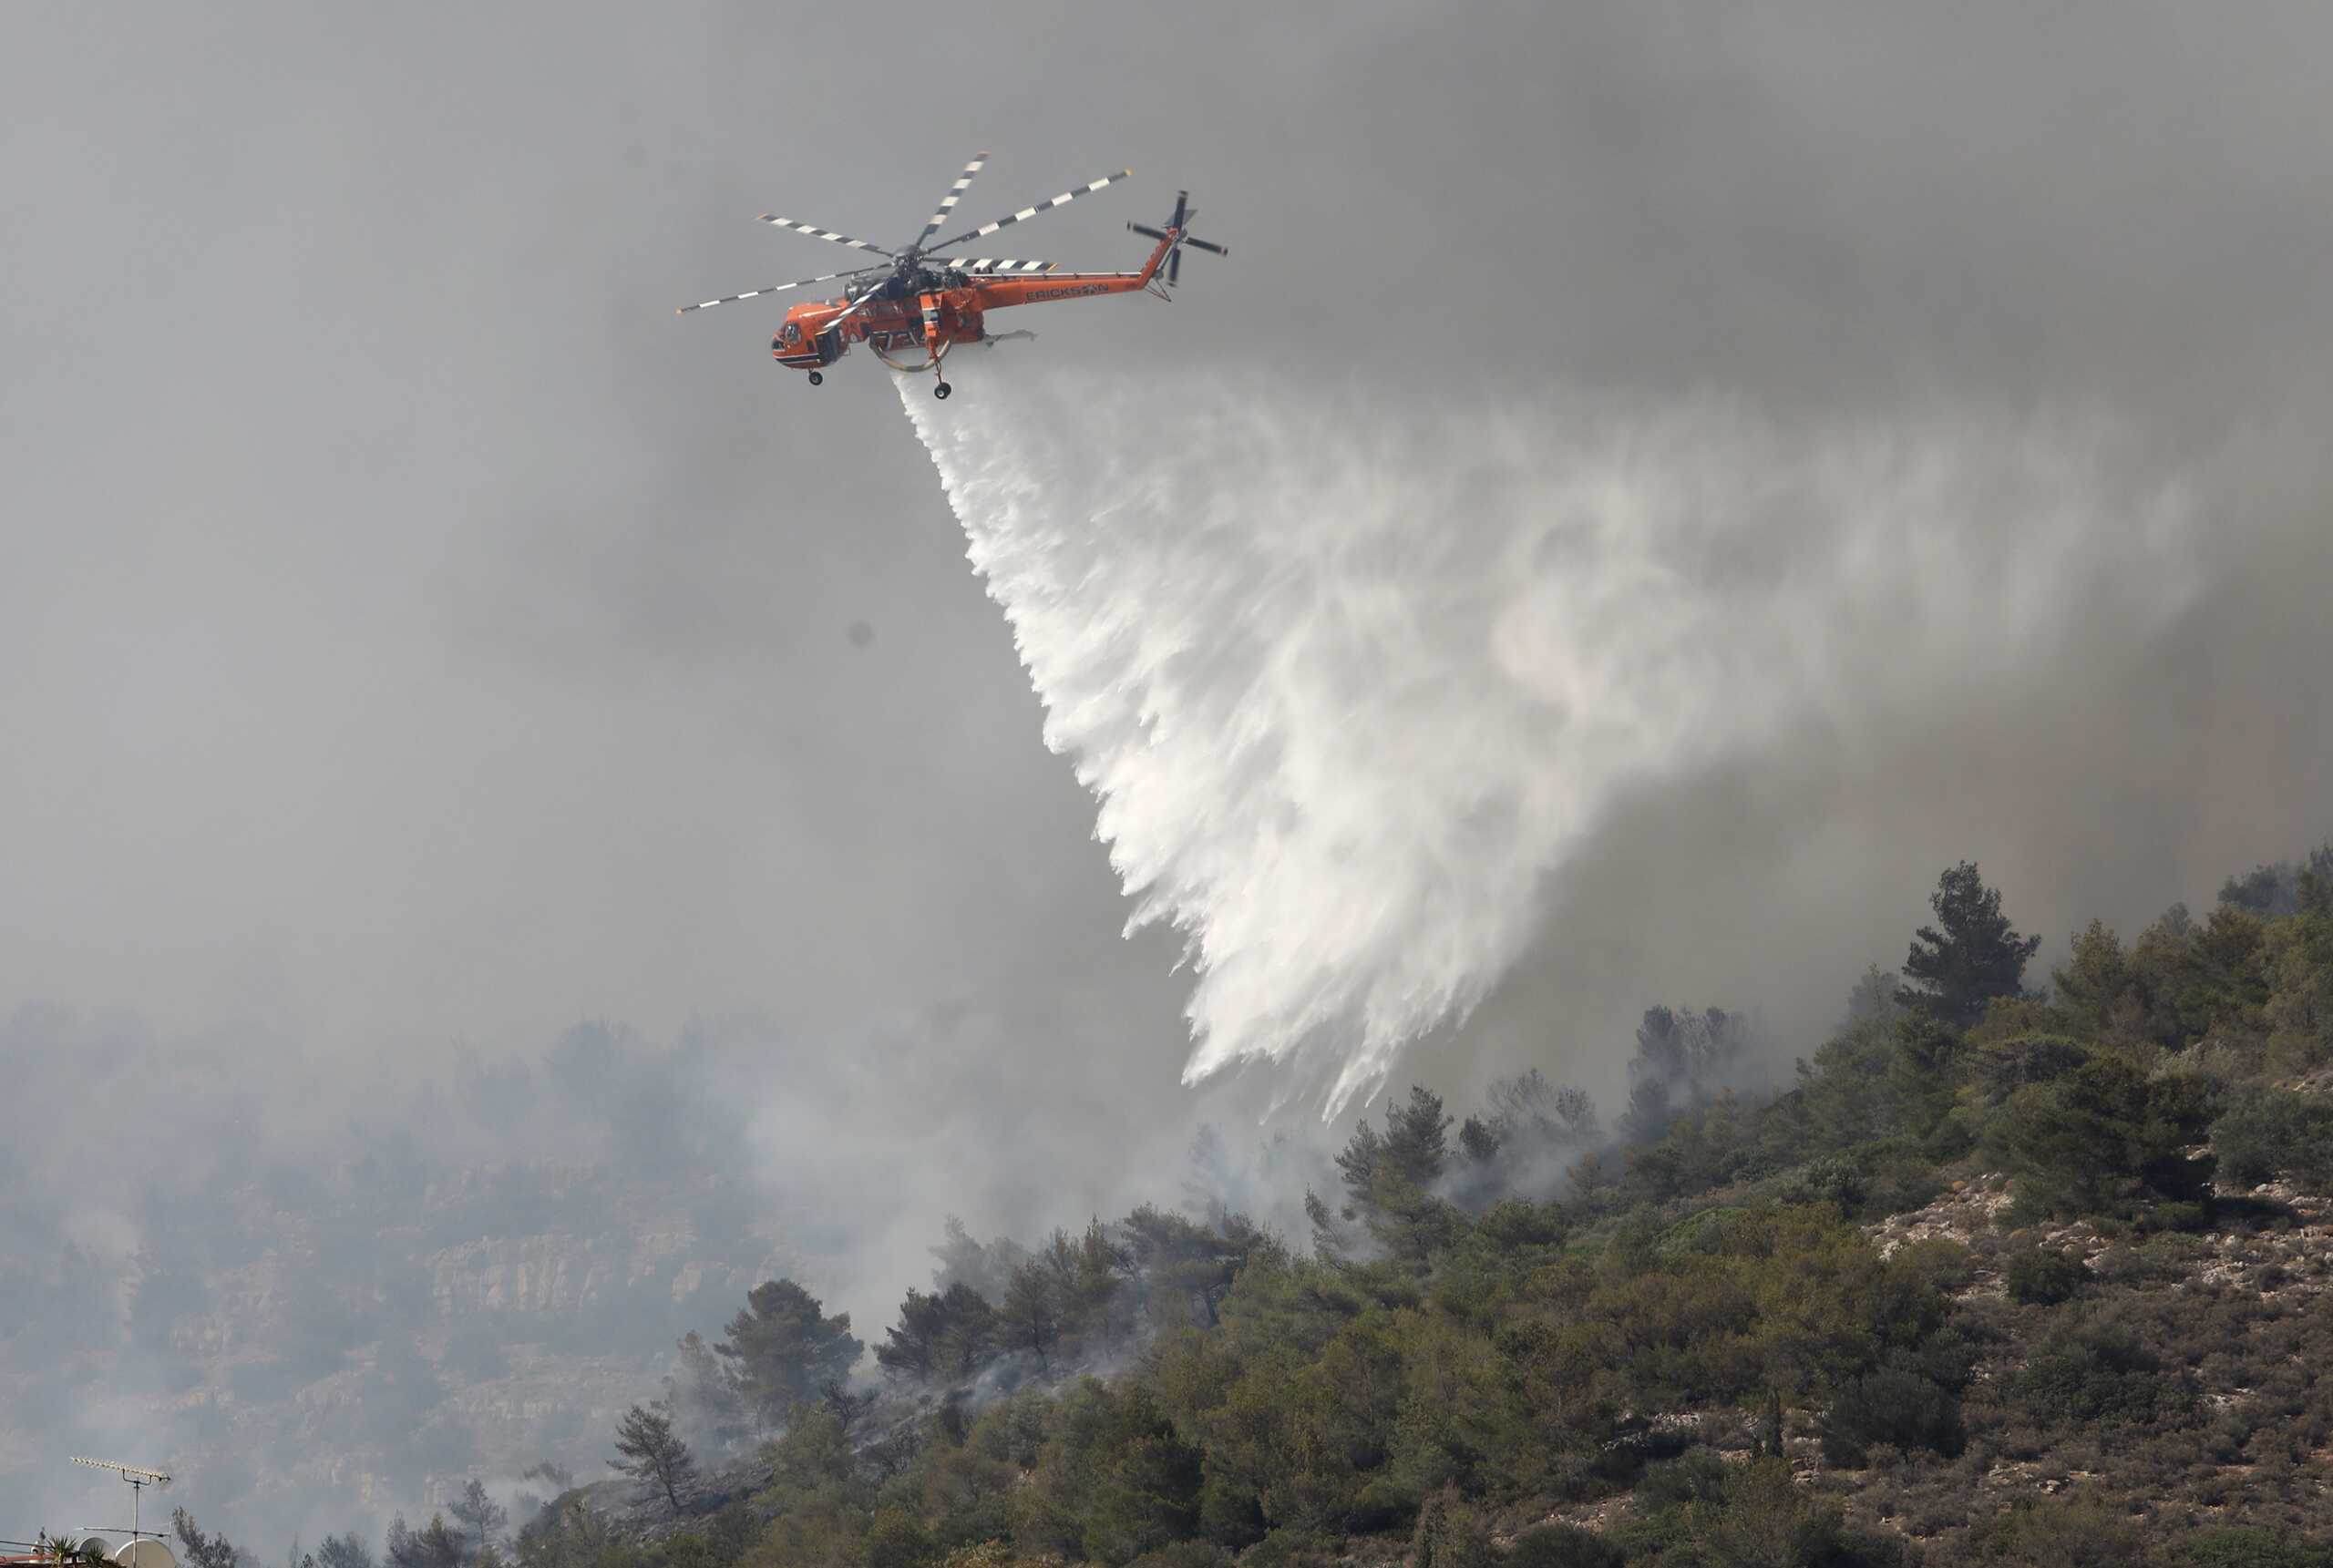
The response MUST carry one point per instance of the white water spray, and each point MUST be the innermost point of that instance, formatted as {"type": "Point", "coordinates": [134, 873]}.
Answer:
{"type": "Point", "coordinates": [1348, 682]}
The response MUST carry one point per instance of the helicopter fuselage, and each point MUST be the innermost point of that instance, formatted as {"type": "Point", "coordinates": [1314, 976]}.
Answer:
{"type": "Point", "coordinates": [931, 309]}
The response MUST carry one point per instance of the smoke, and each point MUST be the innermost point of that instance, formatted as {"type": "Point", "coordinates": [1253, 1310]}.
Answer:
{"type": "Point", "coordinates": [1351, 683]}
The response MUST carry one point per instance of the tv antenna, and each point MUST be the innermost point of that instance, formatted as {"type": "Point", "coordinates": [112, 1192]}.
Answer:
{"type": "Point", "coordinates": [139, 1477]}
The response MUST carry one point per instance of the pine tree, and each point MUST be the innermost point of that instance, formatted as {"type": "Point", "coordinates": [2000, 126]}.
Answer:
{"type": "Point", "coordinates": [1971, 956]}
{"type": "Point", "coordinates": [1417, 1137]}
{"type": "Point", "coordinates": [1389, 1179]}
{"type": "Point", "coordinates": [652, 1454]}
{"type": "Point", "coordinates": [705, 1394]}
{"type": "Point", "coordinates": [1359, 1160]}
{"type": "Point", "coordinates": [1031, 1317]}
{"type": "Point", "coordinates": [1429, 1548]}
{"type": "Point", "coordinates": [1682, 1057]}
{"type": "Point", "coordinates": [939, 1334]}
{"type": "Point", "coordinates": [433, 1546]}
{"type": "Point", "coordinates": [1094, 1291]}
{"type": "Point", "coordinates": [785, 1348]}
{"type": "Point", "coordinates": [440, 1545]}
{"type": "Point", "coordinates": [203, 1551]}
{"type": "Point", "coordinates": [479, 1517]}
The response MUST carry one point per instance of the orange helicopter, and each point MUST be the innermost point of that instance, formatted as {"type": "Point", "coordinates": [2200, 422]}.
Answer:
{"type": "Point", "coordinates": [922, 301]}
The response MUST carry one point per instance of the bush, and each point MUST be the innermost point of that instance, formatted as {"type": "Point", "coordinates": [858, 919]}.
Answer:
{"type": "Point", "coordinates": [897, 1541]}
{"type": "Point", "coordinates": [1696, 1476]}
{"type": "Point", "coordinates": [1563, 1546]}
{"type": "Point", "coordinates": [1835, 1179]}
{"type": "Point", "coordinates": [1866, 1549]}
{"type": "Point", "coordinates": [1290, 1548]}
{"type": "Point", "coordinates": [1229, 1512]}
{"type": "Point", "coordinates": [1381, 1503]}
{"type": "Point", "coordinates": [2095, 1371]}
{"type": "Point", "coordinates": [2043, 1277]}
{"type": "Point", "coordinates": [1450, 1536]}
{"type": "Point", "coordinates": [1766, 1517]}
{"type": "Point", "coordinates": [1866, 1182]}
{"type": "Point", "coordinates": [2105, 1137]}
{"type": "Point", "coordinates": [1895, 1403]}
{"type": "Point", "coordinates": [2083, 1534]}
{"type": "Point", "coordinates": [1994, 1069]}
{"type": "Point", "coordinates": [1940, 1263]}
{"type": "Point", "coordinates": [1184, 1554]}
{"type": "Point", "coordinates": [2250, 1547]}
{"type": "Point", "coordinates": [2271, 1132]}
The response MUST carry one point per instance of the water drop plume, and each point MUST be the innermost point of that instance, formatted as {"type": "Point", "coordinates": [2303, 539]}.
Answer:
{"type": "Point", "coordinates": [1350, 680]}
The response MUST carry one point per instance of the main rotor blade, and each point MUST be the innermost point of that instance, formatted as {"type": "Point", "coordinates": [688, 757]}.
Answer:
{"type": "Point", "coordinates": [818, 233]}
{"type": "Point", "coordinates": [773, 288]}
{"type": "Point", "coordinates": [1002, 264]}
{"type": "Point", "coordinates": [955, 194]}
{"type": "Point", "coordinates": [856, 306]}
{"type": "Point", "coordinates": [1063, 199]}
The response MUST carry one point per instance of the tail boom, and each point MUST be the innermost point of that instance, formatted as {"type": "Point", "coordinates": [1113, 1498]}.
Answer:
{"type": "Point", "coordinates": [996, 294]}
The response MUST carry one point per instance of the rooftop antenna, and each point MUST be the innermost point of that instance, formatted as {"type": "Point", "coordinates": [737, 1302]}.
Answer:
{"type": "Point", "coordinates": [139, 1479]}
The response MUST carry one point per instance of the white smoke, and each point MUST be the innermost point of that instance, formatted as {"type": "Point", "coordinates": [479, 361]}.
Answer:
{"type": "Point", "coordinates": [1350, 682]}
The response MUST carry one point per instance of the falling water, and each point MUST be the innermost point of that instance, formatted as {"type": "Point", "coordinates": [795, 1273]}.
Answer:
{"type": "Point", "coordinates": [1350, 682]}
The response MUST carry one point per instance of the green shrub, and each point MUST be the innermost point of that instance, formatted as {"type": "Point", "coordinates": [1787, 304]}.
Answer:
{"type": "Point", "coordinates": [1381, 1503]}
{"type": "Point", "coordinates": [1698, 1475]}
{"type": "Point", "coordinates": [2081, 1533]}
{"type": "Point", "coordinates": [1940, 1263]}
{"type": "Point", "coordinates": [2105, 1138]}
{"type": "Point", "coordinates": [1993, 1070]}
{"type": "Point", "coordinates": [1563, 1546]}
{"type": "Point", "coordinates": [1866, 1548]}
{"type": "Point", "coordinates": [1896, 1402]}
{"type": "Point", "coordinates": [1866, 1182]}
{"type": "Point", "coordinates": [1764, 1517]}
{"type": "Point", "coordinates": [1290, 1548]}
{"type": "Point", "coordinates": [1184, 1554]}
{"type": "Point", "coordinates": [896, 1541]}
{"type": "Point", "coordinates": [1835, 1179]}
{"type": "Point", "coordinates": [2043, 1277]}
{"type": "Point", "coordinates": [1450, 1536]}
{"type": "Point", "coordinates": [1230, 1512]}
{"type": "Point", "coordinates": [2250, 1546]}
{"type": "Point", "coordinates": [2095, 1371]}
{"type": "Point", "coordinates": [2271, 1132]}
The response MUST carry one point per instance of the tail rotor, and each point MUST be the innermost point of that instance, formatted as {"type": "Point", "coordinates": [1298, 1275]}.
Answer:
{"type": "Point", "coordinates": [1178, 226]}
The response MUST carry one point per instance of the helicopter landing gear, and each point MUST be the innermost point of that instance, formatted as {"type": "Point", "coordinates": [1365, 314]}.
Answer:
{"type": "Point", "coordinates": [818, 379]}
{"type": "Point", "coordinates": [943, 390]}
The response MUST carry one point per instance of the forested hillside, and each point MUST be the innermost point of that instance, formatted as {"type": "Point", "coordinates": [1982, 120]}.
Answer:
{"type": "Point", "coordinates": [2015, 1270]}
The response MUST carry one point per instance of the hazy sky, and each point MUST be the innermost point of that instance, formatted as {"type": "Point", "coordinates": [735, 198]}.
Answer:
{"type": "Point", "coordinates": [411, 632]}
{"type": "Point", "coordinates": [414, 639]}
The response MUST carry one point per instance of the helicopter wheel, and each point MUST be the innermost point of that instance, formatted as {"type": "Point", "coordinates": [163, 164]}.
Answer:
{"type": "Point", "coordinates": [943, 390]}
{"type": "Point", "coordinates": [816, 379]}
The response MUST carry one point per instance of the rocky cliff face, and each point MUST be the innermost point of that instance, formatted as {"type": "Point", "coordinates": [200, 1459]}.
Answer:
{"type": "Point", "coordinates": [323, 1358]}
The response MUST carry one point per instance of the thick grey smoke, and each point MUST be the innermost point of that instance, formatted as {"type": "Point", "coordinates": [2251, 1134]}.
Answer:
{"type": "Point", "coordinates": [412, 640]}
{"type": "Point", "coordinates": [1354, 683]}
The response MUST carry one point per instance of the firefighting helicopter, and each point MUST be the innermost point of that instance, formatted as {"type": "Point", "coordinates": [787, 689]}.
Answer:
{"type": "Point", "coordinates": [922, 301]}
